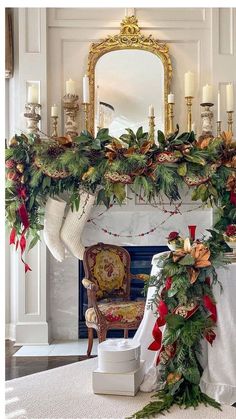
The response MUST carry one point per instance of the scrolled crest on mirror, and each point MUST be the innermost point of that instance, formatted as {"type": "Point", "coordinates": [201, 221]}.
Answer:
{"type": "Point", "coordinates": [130, 37]}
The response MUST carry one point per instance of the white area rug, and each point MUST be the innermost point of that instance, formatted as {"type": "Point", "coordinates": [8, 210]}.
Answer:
{"type": "Point", "coordinates": [66, 392]}
{"type": "Point", "coordinates": [58, 348]}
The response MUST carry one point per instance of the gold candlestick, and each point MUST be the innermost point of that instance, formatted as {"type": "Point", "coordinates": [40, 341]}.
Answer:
{"type": "Point", "coordinates": [151, 134]}
{"type": "Point", "coordinates": [54, 126]}
{"type": "Point", "coordinates": [170, 118]}
{"type": "Point", "coordinates": [189, 112]}
{"type": "Point", "coordinates": [230, 121]}
{"type": "Point", "coordinates": [86, 107]}
{"type": "Point", "coordinates": [218, 124]}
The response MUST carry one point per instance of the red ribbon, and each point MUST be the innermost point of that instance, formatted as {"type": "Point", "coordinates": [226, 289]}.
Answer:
{"type": "Point", "coordinates": [22, 192]}
{"type": "Point", "coordinates": [24, 215]}
{"type": "Point", "coordinates": [209, 305]}
{"type": "Point", "coordinates": [12, 239]}
{"type": "Point", "coordinates": [210, 336]}
{"type": "Point", "coordinates": [233, 197]}
{"type": "Point", "coordinates": [168, 283]}
{"type": "Point", "coordinates": [156, 332]}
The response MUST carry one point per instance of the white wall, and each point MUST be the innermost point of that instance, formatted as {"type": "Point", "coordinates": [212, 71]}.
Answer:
{"type": "Point", "coordinates": [53, 46]}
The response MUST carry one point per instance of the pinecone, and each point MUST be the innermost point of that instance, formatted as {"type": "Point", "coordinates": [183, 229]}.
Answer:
{"type": "Point", "coordinates": [55, 151]}
{"type": "Point", "coordinates": [10, 164]}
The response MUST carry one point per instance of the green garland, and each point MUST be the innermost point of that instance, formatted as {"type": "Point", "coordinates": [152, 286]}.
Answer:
{"type": "Point", "coordinates": [184, 292]}
{"type": "Point", "coordinates": [38, 169]}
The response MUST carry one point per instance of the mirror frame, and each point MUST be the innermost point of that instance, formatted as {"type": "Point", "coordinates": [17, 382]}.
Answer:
{"type": "Point", "coordinates": [130, 37]}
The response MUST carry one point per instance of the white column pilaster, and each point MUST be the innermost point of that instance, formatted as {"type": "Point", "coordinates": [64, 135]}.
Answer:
{"type": "Point", "coordinates": [29, 291]}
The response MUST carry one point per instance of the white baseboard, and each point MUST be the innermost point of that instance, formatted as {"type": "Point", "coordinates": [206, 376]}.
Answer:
{"type": "Point", "coordinates": [35, 333]}
{"type": "Point", "coordinates": [10, 331]}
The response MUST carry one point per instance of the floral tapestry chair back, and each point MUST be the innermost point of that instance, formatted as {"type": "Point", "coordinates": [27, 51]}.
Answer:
{"type": "Point", "coordinates": [108, 266]}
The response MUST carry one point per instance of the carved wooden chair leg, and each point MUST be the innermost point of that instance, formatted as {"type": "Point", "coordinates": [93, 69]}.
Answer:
{"type": "Point", "coordinates": [90, 341]}
{"type": "Point", "coordinates": [102, 334]}
{"type": "Point", "coordinates": [126, 333]}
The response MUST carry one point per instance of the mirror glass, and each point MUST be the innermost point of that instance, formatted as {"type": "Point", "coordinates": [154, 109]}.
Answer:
{"type": "Point", "coordinates": [127, 82]}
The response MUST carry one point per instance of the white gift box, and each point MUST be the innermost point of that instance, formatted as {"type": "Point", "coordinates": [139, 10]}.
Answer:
{"type": "Point", "coordinates": [118, 356]}
{"type": "Point", "coordinates": [118, 350]}
{"type": "Point", "coordinates": [122, 384]}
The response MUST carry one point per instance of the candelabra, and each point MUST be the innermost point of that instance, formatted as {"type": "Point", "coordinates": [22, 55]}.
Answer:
{"type": "Point", "coordinates": [151, 134]}
{"type": "Point", "coordinates": [230, 121]}
{"type": "Point", "coordinates": [32, 118]}
{"type": "Point", "coordinates": [218, 124]}
{"type": "Point", "coordinates": [170, 118]}
{"type": "Point", "coordinates": [71, 107]}
{"type": "Point", "coordinates": [189, 112]}
{"type": "Point", "coordinates": [54, 126]}
{"type": "Point", "coordinates": [207, 117]}
{"type": "Point", "coordinates": [86, 108]}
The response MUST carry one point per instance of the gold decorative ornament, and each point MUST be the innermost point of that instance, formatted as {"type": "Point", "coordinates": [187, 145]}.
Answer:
{"type": "Point", "coordinates": [130, 37]}
{"type": "Point", "coordinates": [20, 168]}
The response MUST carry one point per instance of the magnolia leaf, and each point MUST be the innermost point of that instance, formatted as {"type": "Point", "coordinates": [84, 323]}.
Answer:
{"type": "Point", "coordinates": [182, 169]}
{"type": "Point", "coordinates": [103, 133]}
{"type": "Point", "coordinates": [196, 159]}
{"type": "Point", "coordinates": [172, 292]}
{"type": "Point", "coordinates": [119, 191]}
{"type": "Point", "coordinates": [187, 260]}
{"type": "Point", "coordinates": [161, 138]}
{"type": "Point", "coordinates": [33, 242]}
{"type": "Point", "coordinates": [139, 133]}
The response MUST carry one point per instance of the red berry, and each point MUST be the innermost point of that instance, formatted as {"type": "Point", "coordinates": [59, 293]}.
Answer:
{"type": "Point", "coordinates": [12, 176]}
{"type": "Point", "coordinates": [10, 164]}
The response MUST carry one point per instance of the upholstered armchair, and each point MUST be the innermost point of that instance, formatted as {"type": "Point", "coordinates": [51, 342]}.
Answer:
{"type": "Point", "coordinates": [107, 280]}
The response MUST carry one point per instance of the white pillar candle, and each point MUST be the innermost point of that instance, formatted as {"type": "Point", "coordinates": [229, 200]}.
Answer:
{"type": "Point", "coordinates": [189, 84]}
{"type": "Point", "coordinates": [171, 98]}
{"type": "Point", "coordinates": [86, 98]}
{"type": "Point", "coordinates": [229, 97]}
{"type": "Point", "coordinates": [193, 127]}
{"type": "Point", "coordinates": [54, 110]}
{"type": "Point", "coordinates": [33, 96]}
{"type": "Point", "coordinates": [70, 87]}
{"type": "Point", "coordinates": [151, 110]}
{"type": "Point", "coordinates": [218, 107]}
{"type": "Point", "coordinates": [207, 94]}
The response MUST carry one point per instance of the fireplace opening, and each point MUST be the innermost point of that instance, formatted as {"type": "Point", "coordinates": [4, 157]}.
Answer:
{"type": "Point", "coordinates": [141, 258]}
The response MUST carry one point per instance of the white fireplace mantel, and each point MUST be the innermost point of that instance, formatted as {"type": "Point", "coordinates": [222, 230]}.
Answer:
{"type": "Point", "coordinates": [51, 45]}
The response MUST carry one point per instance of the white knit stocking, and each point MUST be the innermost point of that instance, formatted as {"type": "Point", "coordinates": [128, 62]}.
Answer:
{"type": "Point", "coordinates": [74, 224]}
{"type": "Point", "coordinates": [54, 213]}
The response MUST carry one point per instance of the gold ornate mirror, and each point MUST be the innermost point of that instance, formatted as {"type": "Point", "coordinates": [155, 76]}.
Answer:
{"type": "Point", "coordinates": [127, 73]}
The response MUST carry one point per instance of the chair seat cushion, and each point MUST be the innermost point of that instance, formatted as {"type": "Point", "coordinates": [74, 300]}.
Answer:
{"type": "Point", "coordinates": [118, 312]}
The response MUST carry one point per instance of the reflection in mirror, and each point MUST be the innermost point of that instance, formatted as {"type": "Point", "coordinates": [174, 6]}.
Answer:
{"type": "Point", "coordinates": [127, 83]}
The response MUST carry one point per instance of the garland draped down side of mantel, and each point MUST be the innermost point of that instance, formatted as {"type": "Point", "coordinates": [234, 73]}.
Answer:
{"type": "Point", "coordinates": [37, 169]}
{"type": "Point", "coordinates": [185, 304]}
